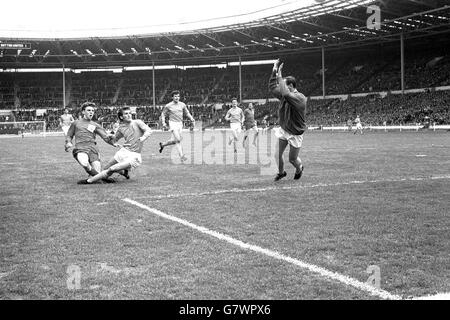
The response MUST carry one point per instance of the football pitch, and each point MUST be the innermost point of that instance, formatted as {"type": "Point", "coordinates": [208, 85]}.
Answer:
{"type": "Point", "coordinates": [369, 219]}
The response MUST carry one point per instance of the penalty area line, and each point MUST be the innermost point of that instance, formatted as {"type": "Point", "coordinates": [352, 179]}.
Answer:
{"type": "Point", "coordinates": [329, 275]}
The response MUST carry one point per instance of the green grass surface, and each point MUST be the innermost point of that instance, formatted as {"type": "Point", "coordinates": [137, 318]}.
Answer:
{"type": "Point", "coordinates": [48, 222]}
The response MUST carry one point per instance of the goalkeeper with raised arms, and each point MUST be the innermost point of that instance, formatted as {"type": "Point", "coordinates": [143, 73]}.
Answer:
{"type": "Point", "coordinates": [291, 118]}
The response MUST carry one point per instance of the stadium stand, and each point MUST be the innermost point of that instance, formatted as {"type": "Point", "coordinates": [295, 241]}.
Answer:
{"type": "Point", "coordinates": [347, 74]}
{"type": "Point", "coordinates": [370, 70]}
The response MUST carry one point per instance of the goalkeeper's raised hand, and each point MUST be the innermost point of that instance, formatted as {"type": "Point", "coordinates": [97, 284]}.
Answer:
{"type": "Point", "coordinates": [280, 69]}
{"type": "Point", "coordinates": [275, 66]}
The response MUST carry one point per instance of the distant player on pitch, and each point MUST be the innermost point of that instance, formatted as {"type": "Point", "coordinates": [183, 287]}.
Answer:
{"type": "Point", "coordinates": [291, 118]}
{"type": "Point", "coordinates": [349, 125]}
{"type": "Point", "coordinates": [134, 132]}
{"type": "Point", "coordinates": [250, 124]}
{"type": "Point", "coordinates": [85, 131]}
{"type": "Point", "coordinates": [175, 110]}
{"type": "Point", "coordinates": [358, 125]}
{"type": "Point", "coordinates": [264, 125]}
{"type": "Point", "coordinates": [65, 120]}
{"type": "Point", "coordinates": [236, 117]}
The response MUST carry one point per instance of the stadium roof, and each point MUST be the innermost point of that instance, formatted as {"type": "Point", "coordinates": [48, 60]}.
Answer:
{"type": "Point", "coordinates": [329, 24]}
{"type": "Point", "coordinates": [43, 19]}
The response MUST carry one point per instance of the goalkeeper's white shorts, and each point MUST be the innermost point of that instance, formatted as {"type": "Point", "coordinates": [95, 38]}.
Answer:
{"type": "Point", "coordinates": [294, 140]}
{"type": "Point", "coordinates": [125, 155]}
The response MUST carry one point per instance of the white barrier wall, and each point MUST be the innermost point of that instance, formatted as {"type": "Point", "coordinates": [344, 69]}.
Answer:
{"type": "Point", "coordinates": [385, 128]}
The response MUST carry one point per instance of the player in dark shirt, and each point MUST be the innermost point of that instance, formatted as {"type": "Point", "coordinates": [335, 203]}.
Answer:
{"type": "Point", "coordinates": [291, 118]}
{"type": "Point", "coordinates": [250, 124]}
{"type": "Point", "coordinates": [85, 131]}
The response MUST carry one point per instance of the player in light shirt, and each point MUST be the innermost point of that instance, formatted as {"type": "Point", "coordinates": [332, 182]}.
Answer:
{"type": "Point", "coordinates": [236, 117]}
{"type": "Point", "coordinates": [129, 157]}
{"type": "Point", "coordinates": [358, 125]}
{"type": "Point", "coordinates": [250, 124]}
{"type": "Point", "coordinates": [65, 120]}
{"type": "Point", "coordinates": [175, 110]}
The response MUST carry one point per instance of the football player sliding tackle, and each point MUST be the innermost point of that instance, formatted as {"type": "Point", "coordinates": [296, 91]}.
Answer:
{"type": "Point", "coordinates": [134, 132]}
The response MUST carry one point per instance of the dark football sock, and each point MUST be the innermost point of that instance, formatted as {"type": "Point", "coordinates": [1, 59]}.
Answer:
{"type": "Point", "coordinates": [91, 172]}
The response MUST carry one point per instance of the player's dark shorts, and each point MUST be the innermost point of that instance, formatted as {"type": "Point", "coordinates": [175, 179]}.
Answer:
{"type": "Point", "coordinates": [249, 125]}
{"type": "Point", "coordinates": [91, 151]}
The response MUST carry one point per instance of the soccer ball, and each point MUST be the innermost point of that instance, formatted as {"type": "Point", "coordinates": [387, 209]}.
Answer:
{"type": "Point", "coordinates": [68, 146]}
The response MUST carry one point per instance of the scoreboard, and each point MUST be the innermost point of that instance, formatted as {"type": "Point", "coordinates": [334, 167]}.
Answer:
{"type": "Point", "coordinates": [14, 45]}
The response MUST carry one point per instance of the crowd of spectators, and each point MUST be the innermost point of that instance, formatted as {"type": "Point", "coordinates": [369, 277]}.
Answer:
{"type": "Point", "coordinates": [201, 88]}
{"type": "Point", "coordinates": [394, 109]}
{"type": "Point", "coordinates": [344, 75]}
{"type": "Point", "coordinates": [107, 115]}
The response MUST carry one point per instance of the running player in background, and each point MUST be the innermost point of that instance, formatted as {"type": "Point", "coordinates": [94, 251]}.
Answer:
{"type": "Point", "coordinates": [134, 132]}
{"type": "Point", "coordinates": [349, 125]}
{"type": "Point", "coordinates": [85, 131]}
{"type": "Point", "coordinates": [236, 117]}
{"type": "Point", "coordinates": [250, 124]}
{"type": "Point", "coordinates": [291, 117]}
{"type": "Point", "coordinates": [358, 125]}
{"type": "Point", "coordinates": [175, 110]}
{"type": "Point", "coordinates": [22, 130]}
{"type": "Point", "coordinates": [65, 120]}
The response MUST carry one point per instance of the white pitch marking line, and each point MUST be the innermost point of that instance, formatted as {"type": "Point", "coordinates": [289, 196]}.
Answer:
{"type": "Point", "coordinates": [237, 190]}
{"type": "Point", "coordinates": [313, 268]}
{"type": "Point", "coordinates": [439, 296]}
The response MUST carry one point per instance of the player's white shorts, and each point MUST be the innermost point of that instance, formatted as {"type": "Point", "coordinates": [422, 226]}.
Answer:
{"type": "Point", "coordinates": [294, 140]}
{"type": "Point", "coordinates": [65, 129]}
{"type": "Point", "coordinates": [359, 126]}
{"type": "Point", "coordinates": [175, 126]}
{"type": "Point", "coordinates": [236, 126]}
{"type": "Point", "coordinates": [134, 158]}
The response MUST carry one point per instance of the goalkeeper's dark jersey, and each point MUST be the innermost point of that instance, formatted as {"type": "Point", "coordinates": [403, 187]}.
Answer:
{"type": "Point", "coordinates": [291, 113]}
